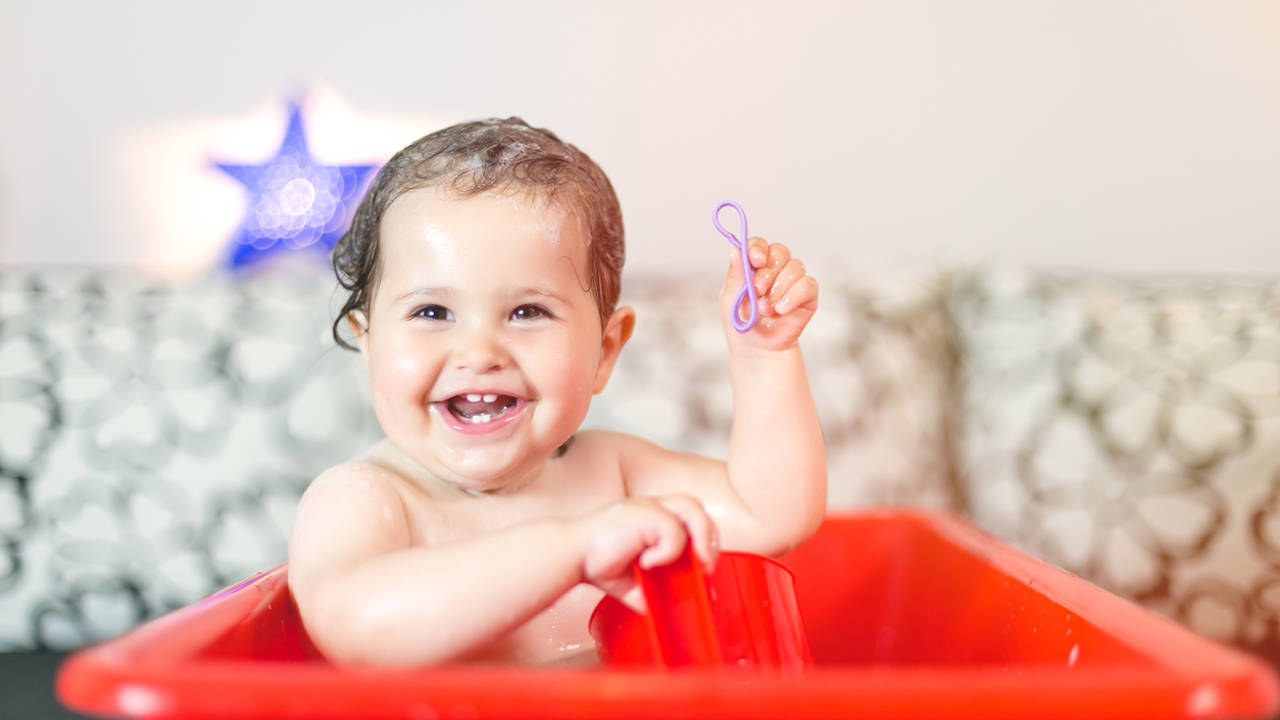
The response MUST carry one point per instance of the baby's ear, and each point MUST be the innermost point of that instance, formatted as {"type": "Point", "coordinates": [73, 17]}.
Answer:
{"type": "Point", "coordinates": [616, 334]}
{"type": "Point", "coordinates": [359, 325]}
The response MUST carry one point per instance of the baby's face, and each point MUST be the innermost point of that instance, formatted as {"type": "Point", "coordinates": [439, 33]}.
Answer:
{"type": "Point", "coordinates": [483, 346]}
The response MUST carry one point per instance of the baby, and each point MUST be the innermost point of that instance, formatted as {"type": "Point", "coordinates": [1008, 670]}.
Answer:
{"type": "Point", "coordinates": [483, 268]}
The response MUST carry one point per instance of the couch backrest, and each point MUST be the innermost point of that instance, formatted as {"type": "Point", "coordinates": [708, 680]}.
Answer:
{"type": "Point", "coordinates": [155, 436]}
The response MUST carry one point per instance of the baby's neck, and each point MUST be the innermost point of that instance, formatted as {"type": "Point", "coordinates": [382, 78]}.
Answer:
{"type": "Point", "coordinates": [495, 492]}
{"type": "Point", "coordinates": [388, 455]}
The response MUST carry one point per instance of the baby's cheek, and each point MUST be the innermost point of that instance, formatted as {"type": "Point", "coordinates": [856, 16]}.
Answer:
{"type": "Point", "coordinates": [400, 358]}
{"type": "Point", "coordinates": [573, 389]}
{"type": "Point", "coordinates": [399, 377]}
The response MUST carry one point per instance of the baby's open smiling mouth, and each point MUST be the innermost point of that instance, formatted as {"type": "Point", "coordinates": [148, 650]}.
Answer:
{"type": "Point", "coordinates": [480, 413]}
{"type": "Point", "coordinates": [480, 408]}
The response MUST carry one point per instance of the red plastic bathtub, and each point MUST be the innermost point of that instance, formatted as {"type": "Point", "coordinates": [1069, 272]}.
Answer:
{"type": "Point", "coordinates": [908, 615]}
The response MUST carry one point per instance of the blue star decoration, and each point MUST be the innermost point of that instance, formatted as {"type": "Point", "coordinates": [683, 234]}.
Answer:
{"type": "Point", "coordinates": [295, 203]}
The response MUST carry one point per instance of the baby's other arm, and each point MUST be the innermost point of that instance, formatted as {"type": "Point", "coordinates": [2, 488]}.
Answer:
{"type": "Point", "coordinates": [777, 456]}
{"type": "Point", "coordinates": [368, 595]}
{"type": "Point", "coordinates": [771, 494]}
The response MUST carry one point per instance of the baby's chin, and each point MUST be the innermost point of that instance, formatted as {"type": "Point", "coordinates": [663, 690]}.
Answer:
{"type": "Point", "coordinates": [490, 472]}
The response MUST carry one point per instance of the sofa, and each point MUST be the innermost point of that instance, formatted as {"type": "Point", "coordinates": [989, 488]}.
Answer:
{"type": "Point", "coordinates": [155, 434]}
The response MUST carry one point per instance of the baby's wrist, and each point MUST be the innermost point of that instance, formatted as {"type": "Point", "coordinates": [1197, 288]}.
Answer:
{"type": "Point", "coordinates": [745, 352]}
{"type": "Point", "coordinates": [575, 532]}
{"type": "Point", "coordinates": [751, 365]}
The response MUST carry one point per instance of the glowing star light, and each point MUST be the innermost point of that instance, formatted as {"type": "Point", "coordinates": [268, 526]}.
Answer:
{"type": "Point", "coordinates": [295, 203]}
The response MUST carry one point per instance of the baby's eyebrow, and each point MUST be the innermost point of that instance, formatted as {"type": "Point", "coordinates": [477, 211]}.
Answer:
{"type": "Point", "coordinates": [545, 292]}
{"type": "Point", "coordinates": [443, 292]}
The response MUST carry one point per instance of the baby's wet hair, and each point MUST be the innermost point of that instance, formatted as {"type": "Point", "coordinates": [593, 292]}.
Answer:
{"type": "Point", "coordinates": [476, 157]}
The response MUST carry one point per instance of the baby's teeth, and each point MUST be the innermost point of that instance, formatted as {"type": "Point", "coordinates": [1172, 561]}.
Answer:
{"type": "Point", "coordinates": [490, 398]}
{"type": "Point", "coordinates": [473, 397]}
{"type": "Point", "coordinates": [480, 419]}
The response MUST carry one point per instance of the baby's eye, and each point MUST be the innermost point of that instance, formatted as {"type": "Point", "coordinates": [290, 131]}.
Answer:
{"type": "Point", "coordinates": [529, 312]}
{"type": "Point", "coordinates": [433, 312]}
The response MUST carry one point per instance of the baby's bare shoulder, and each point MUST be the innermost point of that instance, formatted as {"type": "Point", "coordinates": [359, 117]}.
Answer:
{"type": "Point", "coordinates": [608, 448]}
{"type": "Point", "coordinates": [348, 514]}
{"type": "Point", "coordinates": [601, 441]}
{"type": "Point", "coordinates": [619, 445]}
{"type": "Point", "coordinates": [360, 481]}
{"type": "Point", "coordinates": [648, 468]}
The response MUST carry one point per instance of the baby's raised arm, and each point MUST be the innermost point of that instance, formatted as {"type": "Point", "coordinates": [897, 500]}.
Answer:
{"type": "Point", "coordinates": [777, 457]}
{"type": "Point", "coordinates": [368, 595]}
{"type": "Point", "coordinates": [771, 494]}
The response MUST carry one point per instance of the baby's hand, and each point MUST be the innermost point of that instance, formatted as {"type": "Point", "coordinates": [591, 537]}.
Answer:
{"type": "Point", "coordinates": [787, 296]}
{"type": "Point", "coordinates": [651, 530]}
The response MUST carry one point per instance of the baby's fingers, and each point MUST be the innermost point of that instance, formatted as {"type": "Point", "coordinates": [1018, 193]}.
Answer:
{"type": "Point", "coordinates": [787, 277]}
{"type": "Point", "coordinates": [669, 543]}
{"type": "Point", "coordinates": [702, 532]}
{"type": "Point", "coordinates": [764, 278]}
{"type": "Point", "coordinates": [802, 294]}
{"type": "Point", "coordinates": [758, 252]}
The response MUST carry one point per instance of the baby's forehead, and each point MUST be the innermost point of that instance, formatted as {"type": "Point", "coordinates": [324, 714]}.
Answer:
{"type": "Point", "coordinates": [560, 220]}
{"type": "Point", "coordinates": [444, 229]}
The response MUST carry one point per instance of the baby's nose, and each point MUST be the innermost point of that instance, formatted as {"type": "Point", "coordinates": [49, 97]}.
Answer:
{"type": "Point", "coordinates": [480, 351]}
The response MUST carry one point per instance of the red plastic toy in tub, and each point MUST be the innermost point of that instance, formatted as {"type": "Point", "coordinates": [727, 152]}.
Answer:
{"type": "Point", "coordinates": [744, 614]}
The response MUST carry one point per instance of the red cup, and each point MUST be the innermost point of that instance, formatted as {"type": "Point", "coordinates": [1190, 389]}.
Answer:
{"type": "Point", "coordinates": [743, 614]}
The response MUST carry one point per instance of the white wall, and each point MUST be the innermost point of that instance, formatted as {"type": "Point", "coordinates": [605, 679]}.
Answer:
{"type": "Point", "coordinates": [1133, 136]}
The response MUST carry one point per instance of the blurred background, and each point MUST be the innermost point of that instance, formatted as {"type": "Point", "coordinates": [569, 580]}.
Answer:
{"type": "Point", "coordinates": [1048, 236]}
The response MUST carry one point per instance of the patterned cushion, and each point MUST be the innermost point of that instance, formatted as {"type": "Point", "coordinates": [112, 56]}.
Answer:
{"type": "Point", "coordinates": [155, 439]}
{"type": "Point", "coordinates": [1130, 431]}
{"type": "Point", "coordinates": [154, 436]}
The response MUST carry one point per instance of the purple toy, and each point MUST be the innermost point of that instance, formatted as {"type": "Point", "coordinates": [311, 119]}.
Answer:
{"type": "Point", "coordinates": [748, 286]}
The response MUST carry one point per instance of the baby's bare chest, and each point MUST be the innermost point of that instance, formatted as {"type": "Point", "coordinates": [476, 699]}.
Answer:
{"type": "Point", "coordinates": [559, 632]}
{"type": "Point", "coordinates": [569, 489]}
